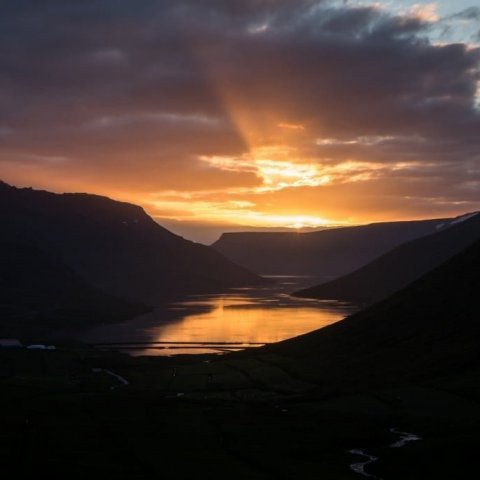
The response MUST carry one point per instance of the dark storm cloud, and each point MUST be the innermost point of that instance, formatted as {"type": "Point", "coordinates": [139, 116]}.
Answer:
{"type": "Point", "coordinates": [105, 81]}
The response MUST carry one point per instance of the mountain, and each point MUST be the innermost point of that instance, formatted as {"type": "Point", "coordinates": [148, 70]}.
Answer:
{"type": "Point", "coordinates": [115, 246]}
{"type": "Point", "coordinates": [330, 403]}
{"type": "Point", "coordinates": [400, 266]}
{"type": "Point", "coordinates": [430, 328]}
{"type": "Point", "coordinates": [39, 293]}
{"type": "Point", "coordinates": [208, 233]}
{"type": "Point", "coordinates": [326, 253]}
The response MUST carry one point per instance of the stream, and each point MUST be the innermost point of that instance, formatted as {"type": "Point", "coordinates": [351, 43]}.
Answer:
{"type": "Point", "coordinates": [123, 382]}
{"type": "Point", "coordinates": [359, 467]}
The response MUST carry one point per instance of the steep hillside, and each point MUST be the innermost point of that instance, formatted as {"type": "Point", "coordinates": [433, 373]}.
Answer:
{"type": "Point", "coordinates": [326, 253]}
{"type": "Point", "coordinates": [115, 246]}
{"type": "Point", "coordinates": [428, 329]}
{"type": "Point", "coordinates": [38, 293]}
{"type": "Point", "coordinates": [400, 266]}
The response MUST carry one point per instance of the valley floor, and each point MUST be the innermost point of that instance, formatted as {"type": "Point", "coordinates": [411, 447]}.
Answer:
{"type": "Point", "coordinates": [79, 412]}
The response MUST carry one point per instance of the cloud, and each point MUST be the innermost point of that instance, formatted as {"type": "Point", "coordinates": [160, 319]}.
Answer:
{"type": "Point", "coordinates": [470, 13]}
{"type": "Point", "coordinates": [252, 101]}
{"type": "Point", "coordinates": [425, 12]}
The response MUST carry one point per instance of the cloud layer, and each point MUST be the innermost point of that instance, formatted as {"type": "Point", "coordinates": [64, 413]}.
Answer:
{"type": "Point", "coordinates": [245, 111]}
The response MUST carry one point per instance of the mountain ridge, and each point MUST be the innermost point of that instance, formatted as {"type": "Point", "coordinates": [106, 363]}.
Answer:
{"type": "Point", "coordinates": [401, 265]}
{"type": "Point", "coordinates": [115, 246]}
{"type": "Point", "coordinates": [325, 253]}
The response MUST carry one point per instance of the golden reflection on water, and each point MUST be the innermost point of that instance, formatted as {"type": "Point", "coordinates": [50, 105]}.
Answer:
{"type": "Point", "coordinates": [249, 315]}
{"type": "Point", "coordinates": [235, 320]}
{"type": "Point", "coordinates": [230, 318]}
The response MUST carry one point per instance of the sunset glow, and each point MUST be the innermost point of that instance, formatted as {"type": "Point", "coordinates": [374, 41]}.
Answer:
{"type": "Point", "coordinates": [274, 114]}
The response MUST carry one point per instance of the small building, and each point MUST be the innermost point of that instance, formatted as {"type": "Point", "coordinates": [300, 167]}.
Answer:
{"type": "Point", "coordinates": [41, 347]}
{"type": "Point", "coordinates": [10, 343]}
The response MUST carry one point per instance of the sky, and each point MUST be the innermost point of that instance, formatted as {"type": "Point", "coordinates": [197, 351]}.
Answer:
{"type": "Point", "coordinates": [219, 115]}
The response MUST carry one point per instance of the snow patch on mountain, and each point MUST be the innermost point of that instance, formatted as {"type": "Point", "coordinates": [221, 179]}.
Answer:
{"type": "Point", "coordinates": [457, 220]}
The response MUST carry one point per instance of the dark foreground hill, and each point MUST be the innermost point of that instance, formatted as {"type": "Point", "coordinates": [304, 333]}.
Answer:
{"type": "Point", "coordinates": [114, 246]}
{"type": "Point", "coordinates": [428, 329]}
{"type": "Point", "coordinates": [38, 293]}
{"type": "Point", "coordinates": [326, 253]}
{"type": "Point", "coordinates": [401, 266]}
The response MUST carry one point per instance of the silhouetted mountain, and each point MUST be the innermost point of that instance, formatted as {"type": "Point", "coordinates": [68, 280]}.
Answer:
{"type": "Point", "coordinates": [39, 293]}
{"type": "Point", "coordinates": [400, 266]}
{"type": "Point", "coordinates": [290, 410]}
{"type": "Point", "coordinates": [428, 329]}
{"type": "Point", "coordinates": [327, 253]}
{"type": "Point", "coordinates": [114, 246]}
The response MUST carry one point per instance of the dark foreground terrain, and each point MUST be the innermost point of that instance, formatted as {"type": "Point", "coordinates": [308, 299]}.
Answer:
{"type": "Point", "coordinates": [39, 293]}
{"type": "Point", "coordinates": [235, 418]}
{"type": "Point", "coordinates": [293, 410]}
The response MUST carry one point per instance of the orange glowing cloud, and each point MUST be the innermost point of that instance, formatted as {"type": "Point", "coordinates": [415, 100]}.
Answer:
{"type": "Point", "coordinates": [289, 113]}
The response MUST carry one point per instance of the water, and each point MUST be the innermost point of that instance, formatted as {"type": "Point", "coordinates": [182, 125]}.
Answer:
{"type": "Point", "coordinates": [405, 438]}
{"type": "Point", "coordinates": [359, 467]}
{"type": "Point", "coordinates": [247, 316]}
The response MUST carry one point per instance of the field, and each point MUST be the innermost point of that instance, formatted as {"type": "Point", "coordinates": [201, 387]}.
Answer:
{"type": "Point", "coordinates": [241, 417]}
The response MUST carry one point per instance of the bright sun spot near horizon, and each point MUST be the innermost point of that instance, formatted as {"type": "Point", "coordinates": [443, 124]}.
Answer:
{"type": "Point", "coordinates": [275, 167]}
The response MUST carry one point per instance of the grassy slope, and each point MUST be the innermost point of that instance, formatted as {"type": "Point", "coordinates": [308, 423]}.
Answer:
{"type": "Point", "coordinates": [431, 325]}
